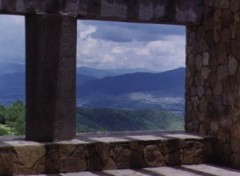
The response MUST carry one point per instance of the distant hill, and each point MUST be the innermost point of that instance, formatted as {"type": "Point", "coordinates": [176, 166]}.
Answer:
{"type": "Point", "coordinates": [114, 100]}
{"type": "Point", "coordinates": [16, 79]}
{"type": "Point", "coordinates": [101, 73]}
{"type": "Point", "coordinates": [136, 90]}
{"type": "Point", "coordinates": [6, 67]}
{"type": "Point", "coordinates": [169, 83]}
{"type": "Point", "coordinates": [81, 79]}
{"type": "Point", "coordinates": [131, 90]}
{"type": "Point", "coordinates": [12, 86]}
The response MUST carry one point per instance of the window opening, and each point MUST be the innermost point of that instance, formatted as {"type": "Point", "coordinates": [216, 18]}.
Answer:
{"type": "Point", "coordinates": [12, 75]}
{"type": "Point", "coordinates": [130, 76]}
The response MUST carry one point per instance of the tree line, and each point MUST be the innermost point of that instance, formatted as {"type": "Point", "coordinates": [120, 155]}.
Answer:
{"type": "Point", "coordinates": [12, 119]}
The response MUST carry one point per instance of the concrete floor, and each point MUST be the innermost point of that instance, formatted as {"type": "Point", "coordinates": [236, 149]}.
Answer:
{"type": "Point", "coordinates": [185, 170]}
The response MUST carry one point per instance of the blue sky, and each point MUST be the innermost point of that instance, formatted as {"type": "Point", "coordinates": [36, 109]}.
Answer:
{"type": "Point", "coordinates": [108, 44]}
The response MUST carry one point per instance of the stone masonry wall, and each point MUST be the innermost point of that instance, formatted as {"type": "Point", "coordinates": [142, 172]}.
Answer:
{"type": "Point", "coordinates": [103, 153]}
{"type": "Point", "coordinates": [148, 11]}
{"type": "Point", "coordinates": [213, 78]}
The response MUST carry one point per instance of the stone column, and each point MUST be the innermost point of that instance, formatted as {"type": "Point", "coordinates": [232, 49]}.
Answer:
{"type": "Point", "coordinates": [213, 78]}
{"type": "Point", "coordinates": [50, 77]}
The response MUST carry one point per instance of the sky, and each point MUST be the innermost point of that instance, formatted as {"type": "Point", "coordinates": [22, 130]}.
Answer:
{"type": "Point", "coordinates": [107, 45]}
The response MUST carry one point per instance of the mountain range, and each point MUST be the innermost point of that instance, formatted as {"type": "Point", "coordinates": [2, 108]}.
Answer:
{"type": "Point", "coordinates": [119, 88]}
{"type": "Point", "coordinates": [101, 73]}
{"type": "Point", "coordinates": [135, 90]}
{"type": "Point", "coordinates": [169, 83]}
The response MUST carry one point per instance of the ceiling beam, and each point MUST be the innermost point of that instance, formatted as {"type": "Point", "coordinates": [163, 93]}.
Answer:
{"type": "Point", "coordinates": [181, 12]}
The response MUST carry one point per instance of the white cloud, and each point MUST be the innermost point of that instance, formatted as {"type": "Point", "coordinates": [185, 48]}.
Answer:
{"type": "Point", "coordinates": [160, 48]}
{"type": "Point", "coordinates": [117, 50]}
{"type": "Point", "coordinates": [86, 31]}
{"type": "Point", "coordinates": [141, 51]}
{"type": "Point", "coordinates": [101, 45]}
{"type": "Point", "coordinates": [159, 55]}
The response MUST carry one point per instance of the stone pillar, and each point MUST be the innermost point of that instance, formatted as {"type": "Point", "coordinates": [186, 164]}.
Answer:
{"type": "Point", "coordinates": [213, 78]}
{"type": "Point", "coordinates": [50, 77]}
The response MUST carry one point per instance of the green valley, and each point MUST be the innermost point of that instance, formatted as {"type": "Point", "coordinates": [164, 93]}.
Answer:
{"type": "Point", "coordinates": [12, 119]}
{"type": "Point", "coordinates": [107, 119]}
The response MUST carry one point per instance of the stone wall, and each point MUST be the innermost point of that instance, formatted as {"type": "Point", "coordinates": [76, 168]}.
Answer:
{"type": "Point", "coordinates": [213, 78]}
{"type": "Point", "coordinates": [148, 11]}
{"type": "Point", "coordinates": [103, 153]}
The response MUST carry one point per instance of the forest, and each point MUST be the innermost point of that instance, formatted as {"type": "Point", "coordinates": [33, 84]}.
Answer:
{"type": "Point", "coordinates": [108, 119]}
{"type": "Point", "coordinates": [12, 119]}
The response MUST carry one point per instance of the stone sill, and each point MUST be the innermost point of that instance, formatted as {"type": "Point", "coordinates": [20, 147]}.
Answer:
{"type": "Point", "coordinates": [103, 151]}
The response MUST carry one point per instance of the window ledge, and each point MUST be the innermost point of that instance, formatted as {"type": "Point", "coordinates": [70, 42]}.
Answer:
{"type": "Point", "coordinates": [103, 151]}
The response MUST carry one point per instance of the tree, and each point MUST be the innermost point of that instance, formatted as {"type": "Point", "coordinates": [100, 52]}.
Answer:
{"type": "Point", "coordinates": [15, 117]}
{"type": "Point", "coordinates": [2, 114]}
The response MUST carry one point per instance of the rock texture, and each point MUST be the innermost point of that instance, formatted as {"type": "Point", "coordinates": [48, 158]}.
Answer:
{"type": "Point", "coordinates": [178, 12]}
{"type": "Point", "coordinates": [22, 157]}
{"type": "Point", "coordinates": [213, 70]}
